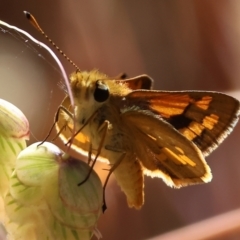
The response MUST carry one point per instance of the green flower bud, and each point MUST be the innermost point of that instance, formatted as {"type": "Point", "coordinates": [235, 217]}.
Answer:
{"type": "Point", "coordinates": [14, 131]}
{"type": "Point", "coordinates": [45, 201]}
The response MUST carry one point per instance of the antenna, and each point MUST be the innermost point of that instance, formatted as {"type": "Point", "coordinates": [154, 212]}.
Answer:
{"type": "Point", "coordinates": [34, 22]}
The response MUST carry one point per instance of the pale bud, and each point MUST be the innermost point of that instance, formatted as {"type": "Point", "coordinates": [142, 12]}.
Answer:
{"type": "Point", "coordinates": [45, 201]}
{"type": "Point", "coordinates": [14, 131]}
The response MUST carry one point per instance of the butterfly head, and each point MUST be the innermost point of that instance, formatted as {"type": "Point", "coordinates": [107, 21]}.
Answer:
{"type": "Point", "coordinates": [90, 92]}
{"type": "Point", "coordinates": [89, 87]}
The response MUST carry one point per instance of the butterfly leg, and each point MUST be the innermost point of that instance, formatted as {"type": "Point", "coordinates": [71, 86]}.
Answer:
{"type": "Point", "coordinates": [104, 207]}
{"type": "Point", "coordinates": [60, 131]}
{"type": "Point", "coordinates": [128, 173]}
{"type": "Point", "coordinates": [104, 128]}
{"type": "Point", "coordinates": [79, 130]}
{"type": "Point", "coordinates": [61, 108]}
{"type": "Point", "coordinates": [90, 154]}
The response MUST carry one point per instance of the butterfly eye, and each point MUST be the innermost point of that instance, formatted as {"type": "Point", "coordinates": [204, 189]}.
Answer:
{"type": "Point", "coordinates": [101, 92]}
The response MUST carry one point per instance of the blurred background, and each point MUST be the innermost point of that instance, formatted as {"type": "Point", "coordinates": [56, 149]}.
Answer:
{"type": "Point", "coordinates": [182, 45]}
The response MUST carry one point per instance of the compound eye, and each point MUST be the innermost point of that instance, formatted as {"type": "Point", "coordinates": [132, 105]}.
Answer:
{"type": "Point", "coordinates": [101, 93]}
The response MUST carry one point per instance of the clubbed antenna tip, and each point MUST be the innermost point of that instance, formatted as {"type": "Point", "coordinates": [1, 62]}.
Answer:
{"type": "Point", "coordinates": [34, 22]}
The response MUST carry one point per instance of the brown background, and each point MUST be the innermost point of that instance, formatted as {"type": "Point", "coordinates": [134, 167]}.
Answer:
{"type": "Point", "coordinates": [181, 44]}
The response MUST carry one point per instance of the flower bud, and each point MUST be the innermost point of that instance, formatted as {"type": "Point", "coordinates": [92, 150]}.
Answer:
{"type": "Point", "coordinates": [45, 201]}
{"type": "Point", "coordinates": [14, 131]}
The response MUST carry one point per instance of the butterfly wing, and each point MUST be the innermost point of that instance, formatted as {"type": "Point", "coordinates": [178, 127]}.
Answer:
{"type": "Point", "coordinates": [206, 118]}
{"type": "Point", "coordinates": [163, 151]}
{"type": "Point", "coordinates": [139, 82]}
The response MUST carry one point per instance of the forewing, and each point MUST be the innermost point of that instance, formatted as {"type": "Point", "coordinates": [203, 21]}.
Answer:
{"type": "Point", "coordinates": [206, 118]}
{"type": "Point", "coordinates": [164, 152]}
{"type": "Point", "coordinates": [139, 82]}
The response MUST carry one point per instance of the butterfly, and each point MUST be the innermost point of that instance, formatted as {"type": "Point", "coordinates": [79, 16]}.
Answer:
{"type": "Point", "coordinates": [140, 131]}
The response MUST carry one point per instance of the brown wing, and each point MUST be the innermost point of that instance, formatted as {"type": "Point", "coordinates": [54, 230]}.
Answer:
{"type": "Point", "coordinates": [163, 151]}
{"type": "Point", "coordinates": [206, 118]}
{"type": "Point", "coordinates": [139, 82]}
